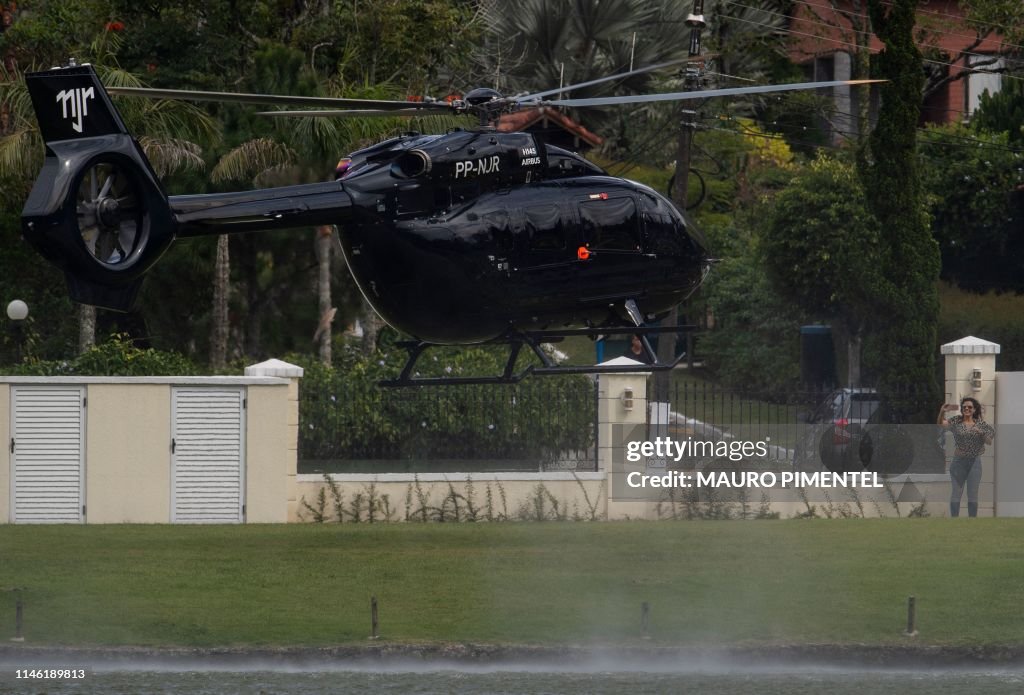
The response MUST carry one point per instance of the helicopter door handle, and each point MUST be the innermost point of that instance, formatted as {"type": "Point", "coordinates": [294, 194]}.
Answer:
{"type": "Point", "coordinates": [278, 214]}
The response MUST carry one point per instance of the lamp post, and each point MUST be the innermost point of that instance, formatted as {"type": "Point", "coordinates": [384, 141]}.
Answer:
{"type": "Point", "coordinates": [17, 311]}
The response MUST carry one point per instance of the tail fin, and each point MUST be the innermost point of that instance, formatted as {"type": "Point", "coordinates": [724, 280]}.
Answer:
{"type": "Point", "coordinates": [70, 103]}
{"type": "Point", "coordinates": [97, 209]}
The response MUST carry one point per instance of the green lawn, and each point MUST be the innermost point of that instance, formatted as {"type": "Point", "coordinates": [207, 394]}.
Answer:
{"type": "Point", "coordinates": [706, 582]}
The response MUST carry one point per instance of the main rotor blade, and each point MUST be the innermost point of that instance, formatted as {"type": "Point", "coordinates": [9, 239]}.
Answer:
{"type": "Point", "coordinates": [342, 113]}
{"type": "Point", "coordinates": [703, 93]}
{"type": "Point", "coordinates": [242, 98]}
{"type": "Point", "coordinates": [609, 78]}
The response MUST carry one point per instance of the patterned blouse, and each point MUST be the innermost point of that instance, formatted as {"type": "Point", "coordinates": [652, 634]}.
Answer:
{"type": "Point", "coordinates": [970, 441]}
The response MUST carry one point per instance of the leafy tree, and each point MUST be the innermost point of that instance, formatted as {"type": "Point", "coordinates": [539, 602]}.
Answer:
{"type": "Point", "coordinates": [754, 345]}
{"type": "Point", "coordinates": [907, 305]}
{"type": "Point", "coordinates": [972, 179]}
{"type": "Point", "coordinates": [821, 250]}
{"type": "Point", "coordinates": [1002, 112]}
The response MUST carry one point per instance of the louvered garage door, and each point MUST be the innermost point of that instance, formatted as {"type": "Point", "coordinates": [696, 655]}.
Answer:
{"type": "Point", "coordinates": [207, 455]}
{"type": "Point", "coordinates": [47, 433]}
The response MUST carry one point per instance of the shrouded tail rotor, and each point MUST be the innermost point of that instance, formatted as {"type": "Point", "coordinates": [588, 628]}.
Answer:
{"type": "Point", "coordinates": [111, 218]}
{"type": "Point", "coordinates": [97, 210]}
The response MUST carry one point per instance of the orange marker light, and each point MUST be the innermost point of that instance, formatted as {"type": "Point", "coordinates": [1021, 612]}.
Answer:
{"type": "Point", "coordinates": [583, 253]}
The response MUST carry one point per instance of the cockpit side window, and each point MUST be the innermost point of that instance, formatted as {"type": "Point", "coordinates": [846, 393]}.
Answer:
{"type": "Point", "coordinates": [564, 164]}
{"type": "Point", "coordinates": [611, 224]}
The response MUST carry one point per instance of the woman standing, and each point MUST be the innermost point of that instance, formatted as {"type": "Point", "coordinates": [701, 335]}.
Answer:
{"type": "Point", "coordinates": [970, 435]}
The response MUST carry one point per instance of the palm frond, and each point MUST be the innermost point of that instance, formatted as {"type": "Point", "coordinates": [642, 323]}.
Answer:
{"type": "Point", "coordinates": [21, 153]}
{"type": "Point", "coordinates": [253, 159]}
{"type": "Point", "coordinates": [15, 97]}
{"type": "Point", "coordinates": [168, 155]}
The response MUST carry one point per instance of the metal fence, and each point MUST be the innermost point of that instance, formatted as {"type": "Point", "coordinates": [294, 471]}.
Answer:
{"type": "Point", "coordinates": [842, 428]}
{"type": "Point", "coordinates": [541, 424]}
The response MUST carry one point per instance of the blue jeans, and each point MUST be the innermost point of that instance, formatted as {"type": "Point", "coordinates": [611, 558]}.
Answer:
{"type": "Point", "coordinates": [964, 472]}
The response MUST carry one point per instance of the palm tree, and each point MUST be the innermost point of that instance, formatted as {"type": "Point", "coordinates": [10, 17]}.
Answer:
{"type": "Point", "coordinates": [536, 45]}
{"type": "Point", "coordinates": [540, 44]}
{"type": "Point", "coordinates": [254, 161]}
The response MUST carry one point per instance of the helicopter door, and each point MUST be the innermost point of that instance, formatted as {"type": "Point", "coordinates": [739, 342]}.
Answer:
{"type": "Point", "coordinates": [545, 256]}
{"type": "Point", "coordinates": [612, 233]}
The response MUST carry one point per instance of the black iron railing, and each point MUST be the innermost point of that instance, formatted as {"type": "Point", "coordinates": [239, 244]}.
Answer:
{"type": "Point", "coordinates": [542, 424]}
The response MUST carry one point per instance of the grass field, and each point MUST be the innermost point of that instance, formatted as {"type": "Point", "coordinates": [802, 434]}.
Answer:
{"type": "Point", "coordinates": [746, 582]}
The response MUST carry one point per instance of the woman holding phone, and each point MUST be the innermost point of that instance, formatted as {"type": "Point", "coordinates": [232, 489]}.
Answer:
{"type": "Point", "coordinates": [970, 435]}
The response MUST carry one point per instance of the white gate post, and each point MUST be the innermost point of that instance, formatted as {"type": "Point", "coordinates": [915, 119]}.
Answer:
{"type": "Point", "coordinates": [285, 370]}
{"type": "Point", "coordinates": [622, 406]}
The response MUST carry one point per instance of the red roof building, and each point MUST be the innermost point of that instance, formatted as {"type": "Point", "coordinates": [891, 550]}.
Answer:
{"type": "Point", "coordinates": [961, 63]}
{"type": "Point", "coordinates": [550, 126]}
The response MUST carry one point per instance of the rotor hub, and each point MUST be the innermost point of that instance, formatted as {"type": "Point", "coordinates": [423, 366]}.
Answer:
{"type": "Point", "coordinates": [107, 212]}
{"type": "Point", "coordinates": [481, 95]}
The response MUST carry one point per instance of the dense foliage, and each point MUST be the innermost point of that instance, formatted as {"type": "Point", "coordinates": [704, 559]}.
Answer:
{"type": "Point", "coordinates": [117, 356]}
{"type": "Point", "coordinates": [345, 415]}
{"type": "Point", "coordinates": [1002, 112]}
{"type": "Point", "coordinates": [822, 248]}
{"type": "Point", "coordinates": [754, 345]}
{"type": "Point", "coordinates": [977, 211]}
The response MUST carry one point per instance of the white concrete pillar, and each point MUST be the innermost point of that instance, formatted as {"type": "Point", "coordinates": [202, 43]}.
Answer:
{"type": "Point", "coordinates": [617, 415]}
{"type": "Point", "coordinates": [293, 373]}
{"type": "Point", "coordinates": [971, 372]}
{"type": "Point", "coordinates": [621, 400]}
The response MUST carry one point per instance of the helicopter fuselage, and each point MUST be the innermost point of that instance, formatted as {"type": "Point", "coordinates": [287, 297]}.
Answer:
{"type": "Point", "coordinates": [461, 238]}
{"type": "Point", "coordinates": [458, 238]}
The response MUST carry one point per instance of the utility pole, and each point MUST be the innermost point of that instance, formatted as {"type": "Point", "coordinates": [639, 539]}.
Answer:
{"type": "Point", "coordinates": [660, 405]}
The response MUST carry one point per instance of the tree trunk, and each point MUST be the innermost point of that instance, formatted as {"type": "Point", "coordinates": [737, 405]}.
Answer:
{"type": "Point", "coordinates": [86, 327]}
{"type": "Point", "coordinates": [219, 329]}
{"type": "Point", "coordinates": [854, 342]}
{"type": "Point", "coordinates": [323, 253]}
{"type": "Point", "coordinates": [249, 267]}
{"type": "Point", "coordinates": [371, 327]}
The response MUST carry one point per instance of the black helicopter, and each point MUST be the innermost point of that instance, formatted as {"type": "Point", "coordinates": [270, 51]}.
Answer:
{"type": "Point", "coordinates": [468, 237]}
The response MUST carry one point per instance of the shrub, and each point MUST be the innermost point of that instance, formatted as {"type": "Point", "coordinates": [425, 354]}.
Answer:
{"type": "Point", "coordinates": [117, 356]}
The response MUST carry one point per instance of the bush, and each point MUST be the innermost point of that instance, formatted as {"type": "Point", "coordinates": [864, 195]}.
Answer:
{"type": "Point", "coordinates": [345, 415]}
{"type": "Point", "coordinates": [117, 356]}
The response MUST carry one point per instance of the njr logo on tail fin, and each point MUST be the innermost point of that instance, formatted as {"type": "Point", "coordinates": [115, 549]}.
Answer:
{"type": "Point", "coordinates": [77, 100]}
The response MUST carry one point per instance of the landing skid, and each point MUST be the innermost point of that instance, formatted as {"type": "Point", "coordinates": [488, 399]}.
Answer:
{"type": "Point", "coordinates": [533, 339]}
